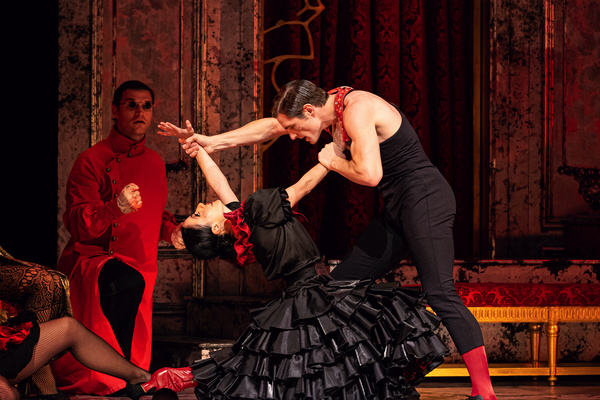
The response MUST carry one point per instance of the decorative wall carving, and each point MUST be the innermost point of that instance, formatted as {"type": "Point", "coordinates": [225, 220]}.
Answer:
{"type": "Point", "coordinates": [589, 183]}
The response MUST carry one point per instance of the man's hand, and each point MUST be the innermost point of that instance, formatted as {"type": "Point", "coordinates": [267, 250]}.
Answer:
{"type": "Point", "coordinates": [329, 153]}
{"type": "Point", "coordinates": [130, 199]}
{"type": "Point", "coordinates": [177, 239]}
{"type": "Point", "coordinates": [192, 144]}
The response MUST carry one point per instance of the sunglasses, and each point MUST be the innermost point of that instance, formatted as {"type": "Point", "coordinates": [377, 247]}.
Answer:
{"type": "Point", "coordinates": [132, 105]}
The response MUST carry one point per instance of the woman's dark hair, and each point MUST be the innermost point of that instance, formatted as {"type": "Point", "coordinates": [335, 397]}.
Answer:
{"type": "Point", "coordinates": [203, 244]}
{"type": "Point", "coordinates": [133, 85]}
{"type": "Point", "coordinates": [294, 95]}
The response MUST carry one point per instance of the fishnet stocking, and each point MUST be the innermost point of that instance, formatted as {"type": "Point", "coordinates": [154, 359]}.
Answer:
{"type": "Point", "coordinates": [87, 348]}
{"type": "Point", "coordinates": [35, 288]}
{"type": "Point", "coordinates": [44, 381]}
{"type": "Point", "coordinates": [43, 291]}
{"type": "Point", "coordinates": [7, 391]}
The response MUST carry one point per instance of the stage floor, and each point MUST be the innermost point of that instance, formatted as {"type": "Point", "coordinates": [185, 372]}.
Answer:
{"type": "Point", "coordinates": [570, 388]}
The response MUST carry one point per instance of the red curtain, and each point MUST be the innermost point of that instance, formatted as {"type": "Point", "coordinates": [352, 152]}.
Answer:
{"type": "Point", "coordinates": [416, 54]}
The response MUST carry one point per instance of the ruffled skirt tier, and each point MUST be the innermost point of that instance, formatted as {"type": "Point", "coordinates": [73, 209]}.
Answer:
{"type": "Point", "coordinates": [325, 339]}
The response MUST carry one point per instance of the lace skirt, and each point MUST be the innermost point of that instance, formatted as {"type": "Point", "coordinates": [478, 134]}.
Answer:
{"type": "Point", "coordinates": [325, 339]}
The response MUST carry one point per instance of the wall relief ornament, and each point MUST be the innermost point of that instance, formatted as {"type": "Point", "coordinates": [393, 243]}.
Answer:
{"type": "Point", "coordinates": [589, 183]}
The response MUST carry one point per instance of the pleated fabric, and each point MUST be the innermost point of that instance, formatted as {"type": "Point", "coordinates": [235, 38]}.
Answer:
{"type": "Point", "coordinates": [325, 339]}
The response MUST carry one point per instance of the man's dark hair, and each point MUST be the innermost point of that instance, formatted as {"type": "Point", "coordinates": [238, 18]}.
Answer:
{"type": "Point", "coordinates": [294, 95]}
{"type": "Point", "coordinates": [133, 85]}
{"type": "Point", "coordinates": [203, 244]}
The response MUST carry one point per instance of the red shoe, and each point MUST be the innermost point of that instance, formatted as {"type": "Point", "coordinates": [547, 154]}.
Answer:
{"type": "Point", "coordinates": [176, 379]}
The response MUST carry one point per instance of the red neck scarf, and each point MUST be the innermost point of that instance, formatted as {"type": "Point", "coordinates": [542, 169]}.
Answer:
{"type": "Point", "coordinates": [338, 106]}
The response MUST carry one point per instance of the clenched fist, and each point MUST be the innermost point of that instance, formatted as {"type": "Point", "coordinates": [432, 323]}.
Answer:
{"type": "Point", "coordinates": [330, 152]}
{"type": "Point", "coordinates": [130, 199]}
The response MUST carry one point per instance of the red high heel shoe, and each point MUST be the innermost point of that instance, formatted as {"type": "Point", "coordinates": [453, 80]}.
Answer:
{"type": "Point", "coordinates": [176, 379]}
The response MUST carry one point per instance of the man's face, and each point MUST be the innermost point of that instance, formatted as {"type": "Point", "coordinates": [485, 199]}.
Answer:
{"type": "Point", "coordinates": [133, 114]}
{"type": "Point", "coordinates": [308, 128]}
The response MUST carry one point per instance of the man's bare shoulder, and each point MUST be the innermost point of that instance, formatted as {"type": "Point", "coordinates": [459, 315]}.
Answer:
{"type": "Point", "coordinates": [360, 96]}
{"type": "Point", "coordinates": [367, 108]}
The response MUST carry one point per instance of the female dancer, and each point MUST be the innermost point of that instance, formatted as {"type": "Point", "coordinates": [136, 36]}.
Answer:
{"type": "Point", "coordinates": [321, 339]}
{"type": "Point", "coordinates": [43, 291]}
{"type": "Point", "coordinates": [26, 346]}
{"type": "Point", "coordinates": [419, 203]}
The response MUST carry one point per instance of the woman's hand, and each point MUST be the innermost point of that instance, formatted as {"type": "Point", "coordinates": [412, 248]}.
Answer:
{"type": "Point", "coordinates": [190, 141]}
{"type": "Point", "coordinates": [168, 129]}
{"type": "Point", "coordinates": [329, 154]}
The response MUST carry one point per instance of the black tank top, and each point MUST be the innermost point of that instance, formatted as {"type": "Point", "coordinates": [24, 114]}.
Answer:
{"type": "Point", "coordinates": [408, 174]}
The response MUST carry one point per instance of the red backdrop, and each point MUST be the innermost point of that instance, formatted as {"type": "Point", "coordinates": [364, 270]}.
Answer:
{"type": "Point", "coordinates": [416, 54]}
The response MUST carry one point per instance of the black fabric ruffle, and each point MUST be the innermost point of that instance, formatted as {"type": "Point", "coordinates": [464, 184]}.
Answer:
{"type": "Point", "coordinates": [16, 357]}
{"type": "Point", "coordinates": [325, 339]}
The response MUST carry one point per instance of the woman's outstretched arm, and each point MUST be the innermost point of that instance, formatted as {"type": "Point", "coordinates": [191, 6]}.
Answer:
{"type": "Point", "coordinates": [305, 184]}
{"type": "Point", "coordinates": [214, 177]}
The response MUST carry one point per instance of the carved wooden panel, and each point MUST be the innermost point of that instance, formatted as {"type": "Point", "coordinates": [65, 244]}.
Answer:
{"type": "Point", "coordinates": [156, 43]}
{"type": "Point", "coordinates": [201, 59]}
{"type": "Point", "coordinates": [572, 113]}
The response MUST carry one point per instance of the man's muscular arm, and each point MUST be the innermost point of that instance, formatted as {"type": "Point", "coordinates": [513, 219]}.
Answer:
{"type": "Point", "coordinates": [253, 132]}
{"type": "Point", "coordinates": [365, 167]}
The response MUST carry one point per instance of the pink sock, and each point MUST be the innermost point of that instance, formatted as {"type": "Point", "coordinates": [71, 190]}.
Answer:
{"type": "Point", "coordinates": [477, 365]}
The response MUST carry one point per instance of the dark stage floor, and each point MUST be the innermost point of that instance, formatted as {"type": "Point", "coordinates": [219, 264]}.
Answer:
{"type": "Point", "coordinates": [571, 388]}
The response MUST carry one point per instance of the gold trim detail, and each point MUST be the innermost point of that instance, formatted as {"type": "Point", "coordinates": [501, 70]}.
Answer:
{"type": "Point", "coordinates": [199, 90]}
{"type": "Point", "coordinates": [96, 70]}
{"type": "Point", "coordinates": [535, 316]}
{"type": "Point", "coordinates": [317, 9]}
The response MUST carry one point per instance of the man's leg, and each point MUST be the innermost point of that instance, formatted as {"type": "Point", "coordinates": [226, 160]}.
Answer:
{"type": "Point", "coordinates": [377, 251]}
{"type": "Point", "coordinates": [429, 232]}
{"type": "Point", "coordinates": [121, 288]}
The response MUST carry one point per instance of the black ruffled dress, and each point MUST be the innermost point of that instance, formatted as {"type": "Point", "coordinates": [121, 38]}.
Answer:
{"type": "Point", "coordinates": [322, 339]}
{"type": "Point", "coordinates": [19, 333]}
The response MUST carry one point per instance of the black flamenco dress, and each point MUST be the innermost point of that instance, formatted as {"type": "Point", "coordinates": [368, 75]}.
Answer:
{"type": "Point", "coordinates": [322, 339]}
{"type": "Point", "coordinates": [19, 333]}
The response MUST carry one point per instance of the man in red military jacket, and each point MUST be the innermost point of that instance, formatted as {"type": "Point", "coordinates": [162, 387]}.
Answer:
{"type": "Point", "coordinates": [111, 256]}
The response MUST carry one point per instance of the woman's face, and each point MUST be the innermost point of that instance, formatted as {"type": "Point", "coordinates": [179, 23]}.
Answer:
{"type": "Point", "coordinates": [205, 215]}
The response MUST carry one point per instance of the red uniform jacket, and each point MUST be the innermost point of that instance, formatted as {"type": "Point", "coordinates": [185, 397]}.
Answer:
{"type": "Point", "coordinates": [99, 232]}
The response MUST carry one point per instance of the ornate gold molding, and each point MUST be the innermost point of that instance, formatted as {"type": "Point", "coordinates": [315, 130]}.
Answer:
{"type": "Point", "coordinates": [575, 314]}
{"type": "Point", "coordinates": [510, 314]}
{"type": "Point", "coordinates": [96, 73]}
{"type": "Point", "coordinates": [551, 317]}
{"type": "Point", "coordinates": [317, 9]}
{"type": "Point", "coordinates": [199, 90]}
